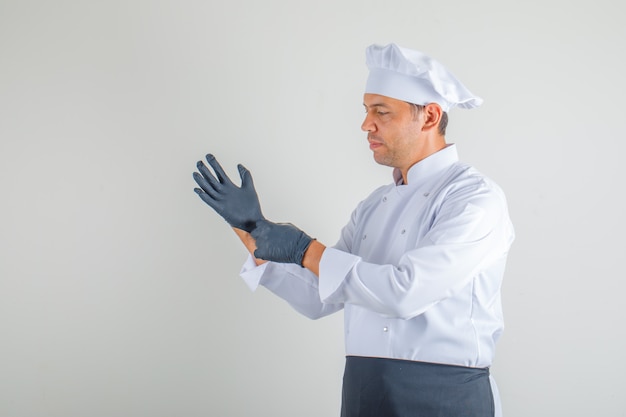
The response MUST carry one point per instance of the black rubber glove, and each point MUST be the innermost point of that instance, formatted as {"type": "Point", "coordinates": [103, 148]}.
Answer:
{"type": "Point", "coordinates": [239, 206]}
{"type": "Point", "coordinates": [280, 242]}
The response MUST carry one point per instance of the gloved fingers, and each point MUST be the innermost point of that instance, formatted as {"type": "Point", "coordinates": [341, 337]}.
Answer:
{"type": "Point", "coordinates": [221, 175]}
{"type": "Point", "coordinates": [246, 177]}
{"type": "Point", "coordinates": [208, 176]}
{"type": "Point", "coordinates": [206, 186]}
{"type": "Point", "coordinates": [208, 199]}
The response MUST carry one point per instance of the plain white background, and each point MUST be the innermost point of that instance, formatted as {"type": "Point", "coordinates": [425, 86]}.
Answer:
{"type": "Point", "coordinates": [119, 288]}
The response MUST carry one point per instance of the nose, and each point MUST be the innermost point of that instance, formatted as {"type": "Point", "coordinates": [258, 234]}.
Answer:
{"type": "Point", "coordinates": [368, 124]}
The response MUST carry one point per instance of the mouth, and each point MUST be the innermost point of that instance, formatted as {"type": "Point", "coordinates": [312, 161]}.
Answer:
{"type": "Point", "coordinates": [374, 143]}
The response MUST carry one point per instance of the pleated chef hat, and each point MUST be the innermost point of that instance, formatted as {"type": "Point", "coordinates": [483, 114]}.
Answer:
{"type": "Point", "coordinates": [409, 75]}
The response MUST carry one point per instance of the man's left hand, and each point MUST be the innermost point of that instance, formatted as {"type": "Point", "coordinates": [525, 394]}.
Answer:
{"type": "Point", "coordinates": [239, 206]}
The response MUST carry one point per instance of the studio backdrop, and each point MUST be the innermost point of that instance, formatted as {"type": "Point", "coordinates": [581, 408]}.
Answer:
{"type": "Point", "coordinates": [119, 288]}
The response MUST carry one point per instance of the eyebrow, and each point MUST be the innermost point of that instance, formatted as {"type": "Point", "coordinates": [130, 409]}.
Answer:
{"type": "Point", "coordinates": [376, 105]}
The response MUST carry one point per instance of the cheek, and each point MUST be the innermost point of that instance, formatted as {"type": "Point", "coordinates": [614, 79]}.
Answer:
{"type": "Point", "coordinates": [411, 131]}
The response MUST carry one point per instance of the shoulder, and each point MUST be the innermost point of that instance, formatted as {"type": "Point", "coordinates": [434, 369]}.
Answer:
{"type": "Point", "coordinates": [466, 182]}
{"type": "Point", "coordinates": [470, 196]}
{"type": "Point", "coordinates": [469, 207]}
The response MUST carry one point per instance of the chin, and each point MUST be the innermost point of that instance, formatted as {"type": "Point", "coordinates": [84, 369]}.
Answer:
{"type": "Point", "coordinates": [383, 161]}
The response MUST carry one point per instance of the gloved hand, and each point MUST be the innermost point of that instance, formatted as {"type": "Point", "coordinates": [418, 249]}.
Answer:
{"type": "Point", "coordinates": [283, 242]}
{"type": "Point", "coordinates": [239, 206]}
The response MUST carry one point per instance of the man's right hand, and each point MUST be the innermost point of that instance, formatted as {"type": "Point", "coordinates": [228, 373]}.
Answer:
{"type": "Point", "coordinates": [239, 206]}
{"type": "Point", "coordinates": [280, 242]}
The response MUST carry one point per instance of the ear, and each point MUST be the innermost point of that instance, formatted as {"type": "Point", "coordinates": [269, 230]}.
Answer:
{"type": "Point", "coordinates": [432, 116]}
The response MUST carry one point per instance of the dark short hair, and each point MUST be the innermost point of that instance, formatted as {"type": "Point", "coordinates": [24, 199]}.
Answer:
{"type": "Point", "coordinates": [443, 123]}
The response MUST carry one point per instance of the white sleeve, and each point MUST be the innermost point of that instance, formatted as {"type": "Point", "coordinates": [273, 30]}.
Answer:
{"type": "Point", "coordinates": [294, 284]}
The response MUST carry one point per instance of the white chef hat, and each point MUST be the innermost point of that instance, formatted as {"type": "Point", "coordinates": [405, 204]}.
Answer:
{"type": "Point", "coordinates": [411, 76]}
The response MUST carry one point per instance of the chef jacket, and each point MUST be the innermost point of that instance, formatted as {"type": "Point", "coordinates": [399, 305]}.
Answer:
{"type": "Point", "coordinates": [417, 269]}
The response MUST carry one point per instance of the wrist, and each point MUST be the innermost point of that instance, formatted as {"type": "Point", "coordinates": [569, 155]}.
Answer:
{"type": "Point", "coordinates": [313, 256]}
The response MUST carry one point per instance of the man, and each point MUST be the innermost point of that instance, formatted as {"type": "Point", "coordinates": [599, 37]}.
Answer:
{"type": "Point", "coordinates": [417, 269]}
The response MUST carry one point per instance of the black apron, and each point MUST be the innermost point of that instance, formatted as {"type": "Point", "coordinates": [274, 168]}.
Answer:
{"type": "Point", "coordinates": [379, 387]}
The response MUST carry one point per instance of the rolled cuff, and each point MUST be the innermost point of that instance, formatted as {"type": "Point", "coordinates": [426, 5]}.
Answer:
{"type": "Point", "coordinates": [334, 268]}
{"type": "Point", "coordinates": [251, 273]}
